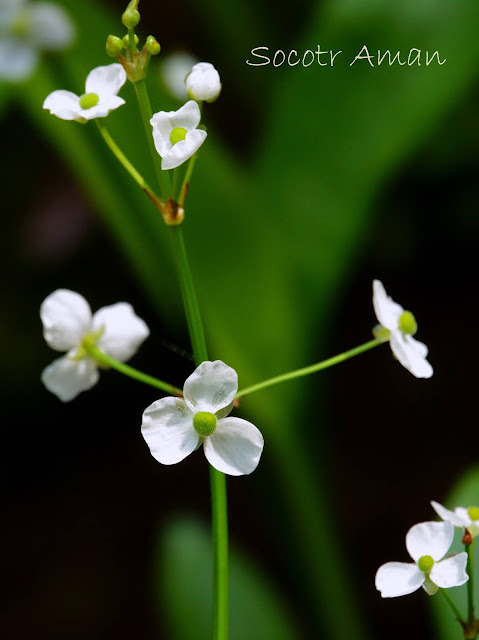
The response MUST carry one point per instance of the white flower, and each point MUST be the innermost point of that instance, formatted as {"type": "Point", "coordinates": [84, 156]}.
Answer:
{"type": "Point", "coordinates": [401, 326]}
{"type": "Point", "coordinates": [460, 517]}
{"type": "Point", "coordinates": [175, 134]}
{"type": "Point", "coordinates": [427, 544]}
{"type": "Point", "coordinates": [26, 29]}
{"type": "Point", "coordinates": [174, 69]}
{"type": "Point", "coordinates": [203, 82]}
{"type": "Point", "coordinates": [100, 97]}
{"type": "Point", "coordinates": [68, 325]}
{"type": "Point", "coordinates": [174, 427]}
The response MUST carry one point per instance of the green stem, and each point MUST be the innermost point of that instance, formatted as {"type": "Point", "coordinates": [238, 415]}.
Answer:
{"type": "Point", "coordinates": [452, 605]}
{"type": "Point", "coordinates": [470, 582]}
{"type": "Point", "coordinates": [186, 180]}
{"type": "Point", "coordinates": [319, 366]}
{"type": "Point", "coordinates": [103, 358]}
{"type": "Point", "coordinates": [118, 153]}
{"type": "Point", "coordinates": [146, 113]}
{"type": "Point", "coordinates": [193, 316]}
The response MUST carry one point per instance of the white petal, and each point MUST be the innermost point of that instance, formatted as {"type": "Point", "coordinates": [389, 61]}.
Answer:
{"type": "Point", "coordinates": [398, 579]}
{"type": "Point", "coordinates": [410, 355]}
{"type": "Point", "coordinates": [51, 27]}
{"type": "Point", "coordinates": [102, 109]}
{"type": "Point", "coordinates": [188, 116]}
{"type": "Point", "coordinates": [106, 81]}
{"type": "Point", "coordinates": [429, 539]}
{"type": "Point", "coordinates": [211, 387]}
{"type": "Point", "coordinates": [235, 447]}
{"type": "Point", "coordinates": [63, 104]}
{"type": "Point", "coordinates": [450, 572]}
{"type": "Point", "coordinates": [455, 518]}
{"type": "Point", "coordinates": [174, 70]}
{"type": "Point", "coordinates": [462, 513]}
{"type": "Point", "coordinates": [387, 311]}
{"type": "Point", "coordinates": [123, 331]}
{"type": "Point", "coordinates": [66, 318]}
{"type": "Point", "coordinates": [66, 378]}
{"type": "Point", "coordinates": [183, 150]}
{"type": "Point", "coordinates": [167, 427]}
{"type": "Point", "coordinates": [18, 59]}
{"type": "Point", "coordinates": [8, 11]}
{"type": "Point", "coordinates": [203, 83]}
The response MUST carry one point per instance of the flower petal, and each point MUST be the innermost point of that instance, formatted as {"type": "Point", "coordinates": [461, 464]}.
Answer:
{"type": "Point", "coordinates": [102, 109]}
{"type": "Point", "coordinates": [235, 447]}
{"type": "Point", "coordinates": [450, 572]}
{"type": "Point", "coordinates": [66, 318]}
{"type": "Point", "coordinates": [398, 579]}
{"type": "Point", "coordinates": [106, 81]}
{"type": "Point", "coordinates": [66, 378]}
{"type": "Point", "coordinates": [203, 83]}
{"type": "Point", "coordinates": [387, 311]}
{"type": "Point", "coordinates": [429, 539]}
{"type": "Point", "coordinates": [18, 59]}
{"type": "Point", "coordinates": [458, 519]}
{"type": "Point", "coordinates": [63, 104]}
{"type": "Point", "coordinates": [410, 352]}
{"type": "Point", "coordinates": [123, 331]}
{"type": "Point", "coordinates": [188, 116]}
{"type": "Point", "coordinates": [211, 387]}
{"type": "Point", "coordinates": [51, 27]}
{"type": "Point", "coordinates": [183, 150]}
{"type": "Point", "coordinates": [168, 430]}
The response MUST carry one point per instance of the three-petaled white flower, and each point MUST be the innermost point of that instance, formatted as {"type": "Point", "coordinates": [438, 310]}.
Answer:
{"type": "Point", "coordinates": [203, 82]}
{"type": "Point", "coordinates": [174, 427]}
{"type": "Point", "coordinates": [26, 29]}
{"type": "Point", "coordinates": [460, 517]}
{"type": "Point", "coordinates": [400, 327]}
{"type": "Point", "coordinates": [68, 325]}
{"type": "Point", "coordinates": [100, 97]}
{"type": "Point", "coordinates": [427, 544]}
{"type": "Point", "coordinates": [175, 134]}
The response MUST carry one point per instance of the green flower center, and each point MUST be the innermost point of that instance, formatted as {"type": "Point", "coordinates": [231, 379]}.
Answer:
{"type": "Point", "coordinates": [407, 323]}
{"type": "Point", "coordinates": [204, 423]}
{"type": "Point", "coordinates": [473, 513]}
{"type": "Point", "coordinates": [425, 563]}
{"type": "Point", "coordinates": [177, 135]}
{"type": "Point", "coordinates": [89, 340]}
{"type": "Point", "coordinates": [89, 100]}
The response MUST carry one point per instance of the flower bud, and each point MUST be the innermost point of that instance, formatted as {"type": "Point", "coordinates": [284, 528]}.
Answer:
{"type": "Point", "coordinates": [203, 82]}
{"type": "Point", "coordinates": [131, 16]}
{"type": "Point", "coordinates": [114, 46]}
{"type": "Point", "coordinates": [126, 40]}
{"type": "Point", "coordinates": [152, 45]}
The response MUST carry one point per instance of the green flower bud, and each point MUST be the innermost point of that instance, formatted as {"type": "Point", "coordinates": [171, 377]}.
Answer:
{"type": "Point", "coordinates": [114, 46]}
{"type": "Point", "coordinates": [152, 46]}
{"type": "Point", "coordinates": [131, 16]}
{"type": "Point", "coordinates": [204, 423]}
{"type": "Point", "coordinates": [89, 100]}
{"type": "Point", "coordinates": [126, 40]}
{"type": "Point", "coordinates": [407, 323]}
{"type": "Point", "coordinates": [381, 333]}
{"type": "Point", "coordinates": [425, 563]}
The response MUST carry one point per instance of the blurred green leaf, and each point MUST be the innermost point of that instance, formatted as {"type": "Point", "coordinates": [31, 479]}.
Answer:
{"type": "Point", "coordinates": [185, 577]}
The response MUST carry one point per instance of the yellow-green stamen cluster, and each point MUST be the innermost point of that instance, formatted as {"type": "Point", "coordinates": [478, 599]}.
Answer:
{"type": "Point", "coordinates": [204, 423]}
{"type": "Point", "coordinates": [89, 100]}
{"type": "Point", "coordinates": [407, 323]}
{"type": "Point", "coordinates": [177, 135]}
{"type": "Point", "coordinates": [425, 563]}
{"type": "Point", "coordinates": [473, 513]}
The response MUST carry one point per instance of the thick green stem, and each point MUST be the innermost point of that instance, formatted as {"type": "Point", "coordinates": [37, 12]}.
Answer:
{"type": "Point", "coordinates": [146, 113]}
{"type": "Point", "coordinates": [449, 601]}
{"type": "Point", "coordinates": [305, 371]}
{"type": "Point", "coordinates": [470, 582]}
{"type": "Point", "coordinates": [118, 153]}
{"type": "Point", "coordinates": [104, 359]}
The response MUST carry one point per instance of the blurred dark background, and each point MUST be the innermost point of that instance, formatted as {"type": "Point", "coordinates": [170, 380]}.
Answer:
{"type": "Point", "coordinates": [85, 504]}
